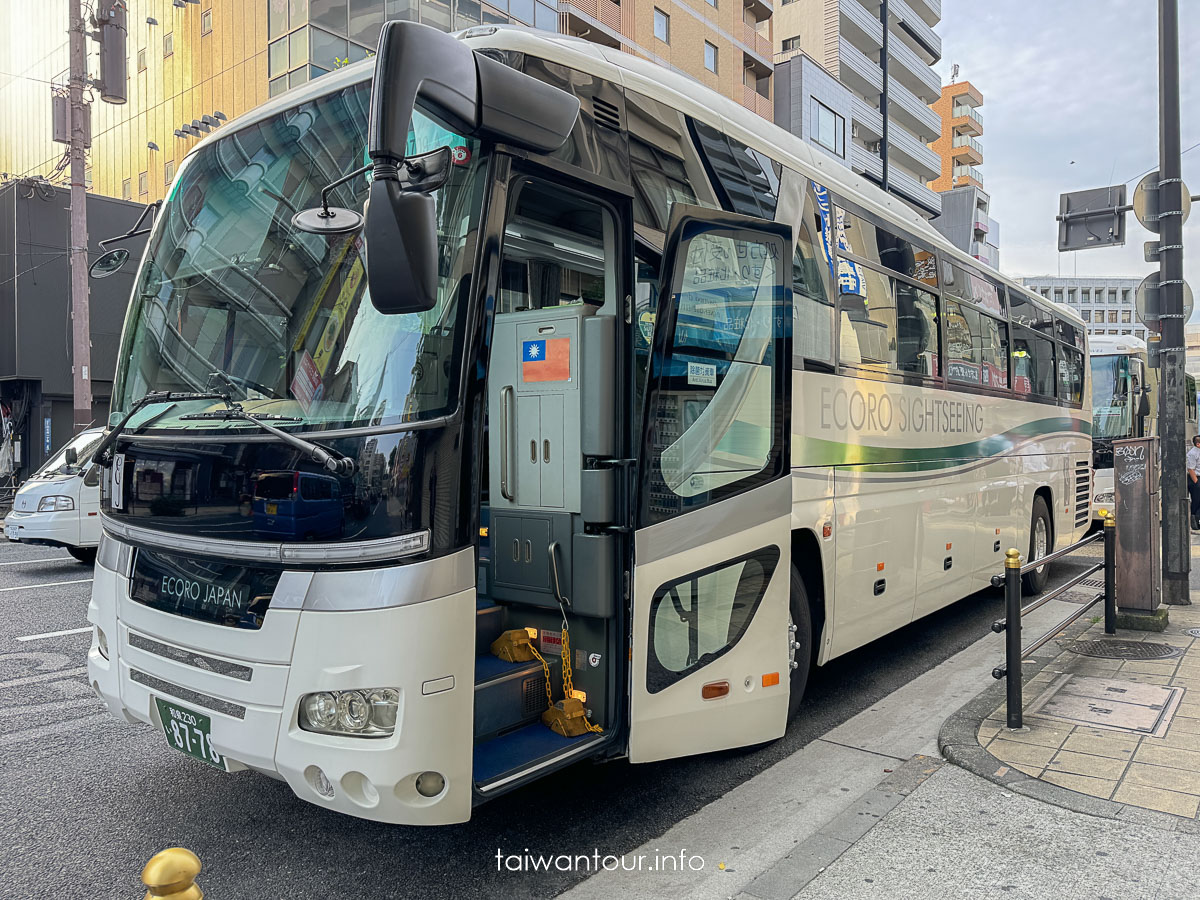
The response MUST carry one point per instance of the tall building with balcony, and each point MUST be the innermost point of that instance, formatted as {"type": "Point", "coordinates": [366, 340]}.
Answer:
{"type": "Point", "coordinates": [726, 45]}
{"type": "Point", "coordinates": [964, 220]}
{"type": "Point", "coordinates": [845, 38]}
{"type": "Point", "coordinates": [193, 65]}
{"type": "Point", "coordinates": [1105, 303]}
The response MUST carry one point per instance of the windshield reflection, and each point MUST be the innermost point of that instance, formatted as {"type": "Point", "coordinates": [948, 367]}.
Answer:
{"type": "Point", "coordinates": [230, 287]}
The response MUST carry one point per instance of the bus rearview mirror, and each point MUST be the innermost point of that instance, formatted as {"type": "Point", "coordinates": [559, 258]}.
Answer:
{"type": "Point", "coordinates": [402, 258]}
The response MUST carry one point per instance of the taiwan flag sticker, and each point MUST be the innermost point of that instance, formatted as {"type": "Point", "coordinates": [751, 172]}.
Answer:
{"type": "Point", "coordinates": [546, 360]}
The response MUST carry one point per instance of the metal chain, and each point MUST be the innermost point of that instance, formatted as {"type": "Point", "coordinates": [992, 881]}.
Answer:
{"type": "Point", "coordinates": [568, 686]}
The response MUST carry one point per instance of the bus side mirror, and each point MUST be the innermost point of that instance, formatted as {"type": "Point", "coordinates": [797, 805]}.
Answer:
{"type": "Point", "coordinates": [402, 252]}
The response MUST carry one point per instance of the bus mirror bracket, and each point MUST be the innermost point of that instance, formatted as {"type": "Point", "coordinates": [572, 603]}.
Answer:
{"type": "Point", "coordinates": [469, 93]}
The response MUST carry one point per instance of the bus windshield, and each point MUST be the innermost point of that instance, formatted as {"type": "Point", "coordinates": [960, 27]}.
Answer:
{"type": "Point", "coordinates": [1112, 397]}
{"type": "Point", "coordinates": [231, 296]}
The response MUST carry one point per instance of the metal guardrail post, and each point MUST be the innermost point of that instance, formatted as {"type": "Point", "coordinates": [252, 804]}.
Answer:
{"type": "Point", "coordinates": [1012, 635]}
{"type": "Point", "coordinates": [1110, 573]}
{"type": "Point", "coordinates": [171, 874]}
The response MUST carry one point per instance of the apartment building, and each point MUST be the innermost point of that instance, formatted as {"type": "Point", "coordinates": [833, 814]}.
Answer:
{"type": "Point", "coordinates": [195, 64]}
{"type": "Point", "coordinates": [726, 45]}
{"type": "Point", "coordinates": [843, 116]}
{"type": "Point", "coordinates": [1105, 303]}
{"type": "Point", "coordinates": [964, 220]}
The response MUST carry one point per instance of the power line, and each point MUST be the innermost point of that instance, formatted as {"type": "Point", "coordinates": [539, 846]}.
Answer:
{"type": "Point", "coordinates": [1152, 168]}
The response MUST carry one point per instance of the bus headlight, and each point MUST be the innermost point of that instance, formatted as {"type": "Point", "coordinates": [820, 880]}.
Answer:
{"type": "Point", "coordinates": [1109, 497]}
{"type": "Point", "coordinates": [55, 503]}
{"type": "Point", "coordinates": [371, 712]}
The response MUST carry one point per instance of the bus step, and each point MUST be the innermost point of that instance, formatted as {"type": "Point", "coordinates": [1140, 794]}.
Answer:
{"type": "Point", "coordinates": [501, 757]}
{"type": "Point", "coordinates": [507, 695]}
{"type": "Point", "coordinates": [489, 623]}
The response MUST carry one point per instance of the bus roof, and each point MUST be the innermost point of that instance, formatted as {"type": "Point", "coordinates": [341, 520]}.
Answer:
{"type": "Point", "coordinates": [1111, 344]}
{"type": "Point", "coordinates": [680, 92]}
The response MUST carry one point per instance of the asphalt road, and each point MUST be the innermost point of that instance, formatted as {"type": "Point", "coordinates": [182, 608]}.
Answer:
{"type": "Point", "coordinates": [87, 800]}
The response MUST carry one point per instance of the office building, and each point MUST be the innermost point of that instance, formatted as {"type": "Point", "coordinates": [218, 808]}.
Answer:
{"type": "Point", "coordinates": [194, 65]}
{"type": "Point", "coordinates": [1105, 303]}
{"type": "Point", "coordinates": [845, 38]}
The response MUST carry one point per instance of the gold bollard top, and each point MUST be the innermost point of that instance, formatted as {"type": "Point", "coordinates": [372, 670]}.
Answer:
{"type": "Point", "coordinates": [1109, 517]}
{"type": "Point", "coordinates": [171, 873]}
{"type": "Point", "coordinates": [1012, 558]}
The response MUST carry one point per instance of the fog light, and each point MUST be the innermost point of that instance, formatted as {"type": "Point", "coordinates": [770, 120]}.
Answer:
{"type": "Point", "coordinates": [101, 642]}
{"type": "Point", "coordinates": [430, 784]}
{"type": "Point", "coordinates": [321, 710]}
{"type": "Point", "coordinates": [319, 781]}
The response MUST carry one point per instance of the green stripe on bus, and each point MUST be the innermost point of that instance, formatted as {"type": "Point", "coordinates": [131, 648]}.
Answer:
{"type": "Point", "coordinates": [817, 451]}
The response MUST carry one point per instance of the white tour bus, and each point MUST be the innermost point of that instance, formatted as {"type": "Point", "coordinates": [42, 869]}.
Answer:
{"type": "Point", "coordinates": [59, 504]}
{"type": "Point", "coordinates": [1124, 405]}
{"type": "Point", "coordinates": [634, 400]}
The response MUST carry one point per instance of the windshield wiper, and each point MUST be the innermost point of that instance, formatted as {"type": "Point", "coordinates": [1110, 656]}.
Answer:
{"type": "Point", "coordinates": [102, 454]}
{"type": "Point", "coordinates": [332, 461]}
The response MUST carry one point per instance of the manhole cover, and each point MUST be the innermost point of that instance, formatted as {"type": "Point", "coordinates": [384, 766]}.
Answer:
{"type": "Point", "coordinates": [1109, 703]}
{"type": "Point", "coordinates": [1192, 632]}
{"type": "Point", "coordinates": [1125, 649]}
{"type": "Point", "coordinates": [1091, 583]}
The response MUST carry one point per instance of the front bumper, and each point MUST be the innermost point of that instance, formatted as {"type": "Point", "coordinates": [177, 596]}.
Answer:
{"type": "Point", "coordinates": [52, 529]}
{"type": "Point", "coordinates": [249, 686]}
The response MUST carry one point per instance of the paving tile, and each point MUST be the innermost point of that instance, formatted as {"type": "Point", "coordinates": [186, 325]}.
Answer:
{"type": "Point", "coordinates": [1018, 754]}
{"type": "Point", "coordinates": [1087, 764]}
{"type": "Point", "coordinates": [1112, 745]}
{"type": "Point", "coordinates": [1168, 756]}
{"type": "Point", "coordinates": [1142, 667]}
{"type": "Point", "coordinates": [1184, 725]}
{"type": "Point", "coordinates": [987, 732]}
{"type": "Point", "coordinates": [1096, 787]}
{"type": "Point", "coordinates": [1156, 798]}
{"type": "Point", "coordinates": [1189, 708]}
{"type": "Point", "coordinates": [1143, 678]}
{"type": "Point", "coordinates": [1179, 740]}
{"type": "Point", "coordinates": [1040, 732]}
{"type": "Point", "coordinates": [1032, 771]}
{"type": "Point", "coordinates": [1163, 778]}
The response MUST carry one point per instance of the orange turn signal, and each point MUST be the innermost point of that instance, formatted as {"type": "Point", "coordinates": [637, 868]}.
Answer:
{"type": "Point", "coordinates": [826, 530]}
{"type": "Point", "coordinates": [771, 679]}
{"type": "Point", "coordinates": [714, 690]}
{"type": "Point", "coordinates": [878, 567]}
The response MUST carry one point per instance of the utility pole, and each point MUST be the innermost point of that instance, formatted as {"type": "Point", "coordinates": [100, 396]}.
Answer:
{"type": "Point", "coordinates": [1175, 538]}
{"type": "Point", "coordinates": [883, 97]}
{"type": "Point", "coordinates": [81, 357]}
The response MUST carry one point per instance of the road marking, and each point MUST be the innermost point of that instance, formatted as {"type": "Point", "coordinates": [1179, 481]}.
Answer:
{"type": "Point", "coordinates": [56, 675]}
{"type": "Point", "coordinates": [37, 559]}
{"type": "Point", "coordinates": [50, 634]}
{"type": "Point", "coordinates": [30, 587]}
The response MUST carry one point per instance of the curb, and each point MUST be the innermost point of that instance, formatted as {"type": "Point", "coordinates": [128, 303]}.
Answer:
{"type": "Point", "coordinates": [958, 743]}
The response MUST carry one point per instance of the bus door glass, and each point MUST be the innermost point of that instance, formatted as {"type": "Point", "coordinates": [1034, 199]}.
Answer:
{"type": "Point", "coordinates": [712, 542]}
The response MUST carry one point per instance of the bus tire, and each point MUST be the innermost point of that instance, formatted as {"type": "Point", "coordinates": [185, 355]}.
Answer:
{"type": "Point", "coordinates": [1041, 531]}
{"type": "Point", "coordinates": [86, 555]}
{"type": "Point", "coordinates": [799, 615]}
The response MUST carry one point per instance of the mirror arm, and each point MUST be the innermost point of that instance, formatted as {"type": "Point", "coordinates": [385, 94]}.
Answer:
{"type": "Point", "coordinates": [328, 189]}
{"type": "Point", "coordinates": [136, 230]}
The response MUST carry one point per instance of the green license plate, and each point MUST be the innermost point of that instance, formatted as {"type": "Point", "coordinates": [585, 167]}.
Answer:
{"type": "Point", "coordinates": [188, 732]}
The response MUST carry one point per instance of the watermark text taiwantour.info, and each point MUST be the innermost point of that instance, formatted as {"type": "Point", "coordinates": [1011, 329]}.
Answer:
{"type": "Point", "coordinates": [526, 861]}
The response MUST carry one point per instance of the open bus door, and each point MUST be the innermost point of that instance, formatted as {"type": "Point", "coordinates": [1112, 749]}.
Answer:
{"type": "Point", "coordinates": [712, 556]}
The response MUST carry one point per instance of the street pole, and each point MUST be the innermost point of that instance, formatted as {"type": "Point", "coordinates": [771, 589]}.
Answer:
{"type": "Point", "coordinates": [81, 359]}
{"type": "Point", "coordinates": [883, 97]}
{"type": "Point", "coordinates": [1176, 558]}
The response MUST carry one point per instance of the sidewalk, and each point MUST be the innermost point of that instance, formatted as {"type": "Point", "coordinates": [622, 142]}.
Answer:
{"type": "Point", "coordinates": [1065, 809]}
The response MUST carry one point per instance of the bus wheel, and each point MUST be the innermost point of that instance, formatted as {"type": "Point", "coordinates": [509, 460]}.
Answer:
{"type": "Point", "coordinates": [1041, 542]}
{"type": "Point", "coordinates": [800, 642]}
{"type": "Point", "coordinates": [86, 555]}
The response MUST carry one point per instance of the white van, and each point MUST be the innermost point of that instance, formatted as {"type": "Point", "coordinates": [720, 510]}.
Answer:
{"type": "Point", "coordinates": [59, 505]}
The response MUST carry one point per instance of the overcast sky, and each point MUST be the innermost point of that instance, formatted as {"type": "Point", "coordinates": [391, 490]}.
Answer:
{"type": "Point", "coordinates": [1070, 101]}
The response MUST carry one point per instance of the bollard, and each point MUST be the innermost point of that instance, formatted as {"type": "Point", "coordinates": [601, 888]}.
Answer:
{"type": "Point", "coordinates": [171, 873]}
{"type": "Point", "coordinates": [1012, 634]}
{"type": "Point", "coordinates": [1110, 573]}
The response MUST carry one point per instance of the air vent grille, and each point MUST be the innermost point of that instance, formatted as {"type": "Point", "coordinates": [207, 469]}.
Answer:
{"type": "Point", "coordinates": [533, 697]}
{"type": "Point", "coordinates": [607, 114]}
{"type": "Point", "coordinates": [1083, 491]}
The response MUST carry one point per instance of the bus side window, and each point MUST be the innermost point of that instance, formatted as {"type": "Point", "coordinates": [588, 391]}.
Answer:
{"type": "Point", "coordinates": [645, 312]}
{"type": "Point", "coordinates": [812, 294]}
